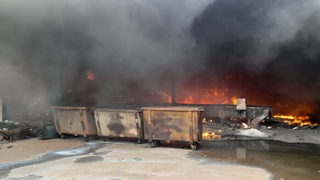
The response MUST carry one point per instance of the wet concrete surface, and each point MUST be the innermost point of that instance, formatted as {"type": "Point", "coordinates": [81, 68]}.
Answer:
{"type": "Point", "coordinates": [101, 153]}
{"type": "Point", "coordinates": [282, 160]}
{"type": "Point", "coordinates": [4, 173]}
{"type": "Point", "coordinates": [5, 169]}
{"type": "Point", "coordinates": [90, 159]}
{"type": "Point", "coordinates": [126, 160]}
{"type": "Point", "coordinates": [285, 161]}
{"type": "Point", "coordinates": [29, 177]}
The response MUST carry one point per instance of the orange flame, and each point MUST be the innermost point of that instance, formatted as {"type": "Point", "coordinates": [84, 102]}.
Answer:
{"type": "Point", "coordinates": [290, 119]}
{"type": "Point", "coordinates": [245, 126]}
{"type": "Point", "coordinates": [204, 120]}
{"type": "Point", "coordinates": [90, 75]}
{"type": "Point", "coordinates": [234, 100]}
{"type": "Point", "coordinates": [207, 135]}
{"type": "Point", "coordinates": [210, 97]}
{"type": "Point", "coordinates": [189, 100]}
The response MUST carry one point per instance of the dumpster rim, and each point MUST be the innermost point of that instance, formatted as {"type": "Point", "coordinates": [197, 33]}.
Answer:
{"type": "Point", "coordinates": [173, 108]}
{"type": "Point", "coordinates": [117, 110]}
{"type": "Point", "coordinates": [71, 107]}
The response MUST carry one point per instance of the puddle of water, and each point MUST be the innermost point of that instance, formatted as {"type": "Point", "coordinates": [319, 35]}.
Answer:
{"type": "Point", "coordinates": [72, 152]}
{"type": "Point", "coordinates": [283, 160]}
{"type": "Point", "coordinates": [89, 159]}
{"type": "Point", "coordinates": [89, 147]}
{"type": "Point", "coordinates": [102, 153]}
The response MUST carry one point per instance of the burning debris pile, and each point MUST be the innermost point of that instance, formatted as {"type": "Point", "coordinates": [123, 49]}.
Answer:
{"type": "Point", "coordinates": [213, 130]}
{"type": "Point", "coordinates": [216, 131]}
{"type": "Point", "coordinates": [228, 122]}
{"type": "Point", "coordinates": [212, 135]}
{"type": "Point", "coordinates": [294, 122]}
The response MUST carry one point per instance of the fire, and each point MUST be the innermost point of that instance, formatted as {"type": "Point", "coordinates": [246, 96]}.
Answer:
{"type": "Point", "coordinates": [245, 126]}
{"type": "Point", "coordinates": [204, 120]}
{"type": "Point", "coordinates": [234, 100]}
{"type": "Point", "coordinates": [210, 97]}
{"type": "Point", "coordinates": [90, 75]}
{"type": "Point", "coordinates": [207, 135]}
{"type": "Point", "coordinates": [215, 91]}
{"type": "Point", "coordinates": [290, 119]}
{"type": "Point", "coordinates": [189, 100]}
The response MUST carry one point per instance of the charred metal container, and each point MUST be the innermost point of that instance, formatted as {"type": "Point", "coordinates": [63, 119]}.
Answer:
{"type": "Point", "coordinates": [125, 123]}
{"type": "Point", "coordinates": [74, 120]}
{"type": "Point", "coordinates": [173, 124]}
{"type": "Point", "coordinates": [49, 132]}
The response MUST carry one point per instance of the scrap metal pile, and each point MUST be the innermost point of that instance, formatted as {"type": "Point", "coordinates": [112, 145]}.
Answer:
{"type": "Point", "coordinates": [234, 122]}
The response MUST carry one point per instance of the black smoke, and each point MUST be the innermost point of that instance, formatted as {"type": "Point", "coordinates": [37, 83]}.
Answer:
{"type": "Point", "coordinates": [273, 44]}
{"type": "Point", "coordinates": [269, 50]}
{"type": "Point", "coordinates": [132, 47]}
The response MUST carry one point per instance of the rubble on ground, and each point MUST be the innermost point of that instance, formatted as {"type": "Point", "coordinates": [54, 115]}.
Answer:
{"type": "Point", "coordinates": [13, 131]}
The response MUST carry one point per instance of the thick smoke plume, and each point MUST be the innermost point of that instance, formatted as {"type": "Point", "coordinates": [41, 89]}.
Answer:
{"type": "Point", "coordinates": [267, 49]}
{"type": "Point", "coordinates": [47, 46]}
{"type": "Point", "coordinates": [273, 45]}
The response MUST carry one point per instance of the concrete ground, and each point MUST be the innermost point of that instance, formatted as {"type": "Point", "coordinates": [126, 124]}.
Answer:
{"type": "Point", "coordinates": [123, 160]}
{"type": "Point", "coordinates": [34, 148]}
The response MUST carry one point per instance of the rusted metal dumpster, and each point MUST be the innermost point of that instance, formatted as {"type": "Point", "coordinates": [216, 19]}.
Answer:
{"type": "Point", "coordinates": [173, 124]}
{"type": "Point", "coordinates": [74, 120]}
{"type": "Point", "coordinates": [125, 123]}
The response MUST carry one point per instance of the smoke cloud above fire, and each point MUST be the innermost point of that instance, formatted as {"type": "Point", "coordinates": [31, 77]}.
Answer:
{"type": "Point", "coordinates": [269, 50]}
{"type": "Point", "coordinates": [273, 44]}
{"type": "Point", "coordinates": [48, 43]}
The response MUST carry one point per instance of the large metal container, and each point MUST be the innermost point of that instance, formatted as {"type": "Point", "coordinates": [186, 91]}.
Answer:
{"type": "Point", "coordinates": [74, 120]}
{"type": "Point", "coordinates": [173, 124]}
{"type": "Point", "coordinates": [49, 132]}
{"type": "Point", "coordinates": [119, 123]}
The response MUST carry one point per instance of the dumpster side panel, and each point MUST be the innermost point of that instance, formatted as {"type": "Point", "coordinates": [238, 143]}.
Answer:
{"type": "Point", "coordinates": [197, 132]}
{"type": "Point", "coordinates": [69, 121]}
{"type": "Point", "coordinates": [97, 121]}
{"type": "Point", "coordinates": [74, 120]}
{"type": "Point", "coordinates": [102, 121]}
{"type": "Point", "coordinates": [140, 125]}
{"type": "Point", "coordinates": [169, 125]}
{"type": "Point", "coordinates": [56, 121]}
{"type": "Point", "coordinates": [118, 124]}
{"type": "Point", "coordinates": [200, 128]}
{"type": "Point", "coordinates": [147, 124]}
{"type": "Point", "coordinates": [90, 125]}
